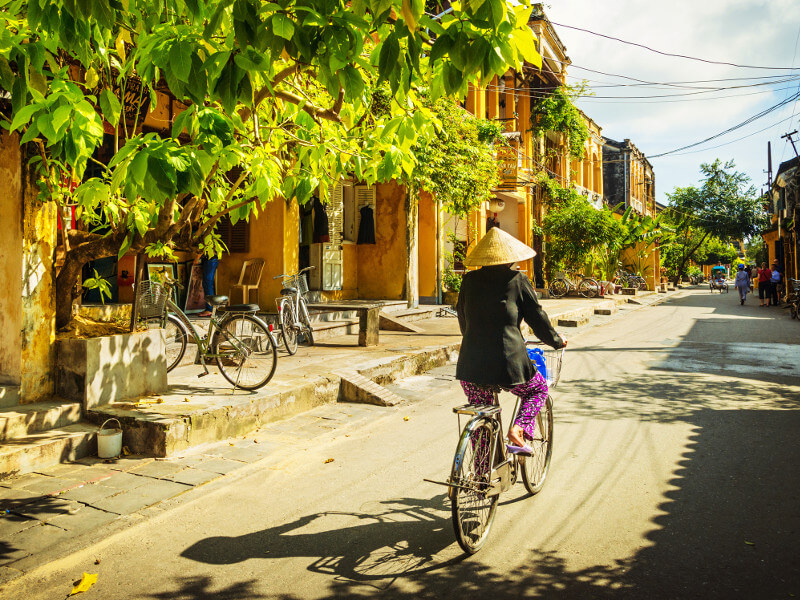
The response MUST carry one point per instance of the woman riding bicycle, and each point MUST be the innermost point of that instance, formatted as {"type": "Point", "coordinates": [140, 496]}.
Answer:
{"type": "Point", "coordinates": [492, 303]}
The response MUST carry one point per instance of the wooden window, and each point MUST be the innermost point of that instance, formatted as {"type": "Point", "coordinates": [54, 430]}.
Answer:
{"type": "Point", "coordinates": [235, 237]}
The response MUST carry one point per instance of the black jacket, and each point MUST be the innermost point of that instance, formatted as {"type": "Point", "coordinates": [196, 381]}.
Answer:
{"type": "Point", "coordinates": [492, 303]}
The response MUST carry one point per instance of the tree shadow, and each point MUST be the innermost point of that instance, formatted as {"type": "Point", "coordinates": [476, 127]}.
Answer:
{"type": "Point", "coordinates": [200, 588]}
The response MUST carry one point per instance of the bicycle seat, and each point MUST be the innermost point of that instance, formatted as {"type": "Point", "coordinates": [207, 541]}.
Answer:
{"type": "Point", "coordinates": [288, 291]}
{"type": "Point", "coordinates": [216, 300]}
{"type": "Point", "coordinates": [243, 308]}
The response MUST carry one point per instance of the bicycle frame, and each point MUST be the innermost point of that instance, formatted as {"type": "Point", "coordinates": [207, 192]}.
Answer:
{"type": "Point", "coordinates": [503, 473]}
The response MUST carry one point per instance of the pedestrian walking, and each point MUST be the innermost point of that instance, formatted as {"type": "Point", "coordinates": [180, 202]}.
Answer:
{"type": "Point", "coordinates": [775, 283]}
{"type": "Point", "coordinates": [764, 276]}
{"type": "Point", "coordinates": [753, 276]}
{"type": "Point", "coordinates": [742, 282]}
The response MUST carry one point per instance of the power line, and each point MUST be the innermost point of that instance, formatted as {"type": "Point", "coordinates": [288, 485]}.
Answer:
{"type": "Point", "coordinates": [685, 56]}
{"type": "Point", "coordinates": [747, 121]}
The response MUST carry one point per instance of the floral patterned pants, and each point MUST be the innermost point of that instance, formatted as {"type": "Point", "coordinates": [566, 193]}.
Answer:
{"type": "Point", "coordinates": [532, 395]}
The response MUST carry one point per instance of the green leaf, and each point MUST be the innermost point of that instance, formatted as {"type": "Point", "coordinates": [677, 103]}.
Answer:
{"type": "Point", "coordinates": [23, 115]}
{"type": "Point", "coordinates": [526, 46]}
{"type": "Point", "coordinates": [441, 47]}
{"type": "Point", "coordinates": [110, 106]}
{"type": "Point", "coordinates": [180, 60]}
{"type": "Point", "coordinates": [92, 79]}
{"type": "Point", "coordinates": [387, 60]}
{"type": "Point", "coordinates": [352, 82]}
{"type": "Point", "coordinates": [452, 78]}
{"type": "Point", "coordinates": [282, 26]}
{"type": "Point", "coordinates": [60, 117]}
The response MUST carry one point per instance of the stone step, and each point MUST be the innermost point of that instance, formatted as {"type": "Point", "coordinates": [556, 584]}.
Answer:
{"type": "Point", "coordinates": [357, 388]}
{"type": "Point", "coordinates": [391, 322]}
{"type": "Point", "coordinates": [47, 448]}
{"type": "Point", "coordinates": [25, 420]}
{"type": "Point", "coordinates": [9, 395]}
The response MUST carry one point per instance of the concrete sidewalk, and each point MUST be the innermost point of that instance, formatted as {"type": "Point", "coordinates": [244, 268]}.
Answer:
{"type": "Point", "coordinates": [51, 513]}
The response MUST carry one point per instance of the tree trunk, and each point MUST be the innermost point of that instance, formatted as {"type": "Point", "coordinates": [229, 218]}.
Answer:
{"type": "Point", "coordinates": [687, 257]}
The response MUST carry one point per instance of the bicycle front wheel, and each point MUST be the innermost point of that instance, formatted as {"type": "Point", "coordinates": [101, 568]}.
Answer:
{"type": "Point", "coordinates": [536, 466]}
{"type": "Point", "coordinates": [473, 511]}
{"type": "Point", "coordinates": [175, 338]}
{"type": "Point", "coordinates": [558, 288]}
{"type": "Point", "coordinates": [288, 330]}
{"type": "Point", "coordinates": [589, 288]}
{"type": "Point", "coordinates": [305, 319]}
{"type": "Point", "coordinates": [245, 352]}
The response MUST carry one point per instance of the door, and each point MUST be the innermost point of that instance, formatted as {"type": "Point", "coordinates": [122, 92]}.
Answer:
{"type": "Point", "coordinates": [332, 251]}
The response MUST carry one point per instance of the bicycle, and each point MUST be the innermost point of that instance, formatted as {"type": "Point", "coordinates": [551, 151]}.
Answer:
{"type": "Point", "coordinates": [473, 488]}
{"type": "Point", "coordinates": [588, 287]}
{"type": "Point", "coordinates": [629, 280]}
{"type": "Point", "coordinates": [293, 310]}
{"type": "Point", "coordinates": [240, 342]}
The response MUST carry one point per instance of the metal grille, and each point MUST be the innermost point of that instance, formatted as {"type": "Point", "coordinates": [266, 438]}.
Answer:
{"type": "Point", "coordinates": [151, 298]}
{"type": "Point", "coordinates": [297, 281]}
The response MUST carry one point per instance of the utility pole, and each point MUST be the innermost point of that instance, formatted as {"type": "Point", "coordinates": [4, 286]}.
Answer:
{"type": "Point", "coordinates": [790, 137]}
{"type": "Point", "coordinates": [769, 166]}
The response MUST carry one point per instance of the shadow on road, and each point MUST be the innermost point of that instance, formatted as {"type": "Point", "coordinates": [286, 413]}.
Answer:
{"type": "Point", "coordinates": [727, 529]}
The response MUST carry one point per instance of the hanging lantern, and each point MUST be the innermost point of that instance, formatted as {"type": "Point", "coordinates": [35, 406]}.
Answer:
{"type": "Point", "coordinates": [495, 205]}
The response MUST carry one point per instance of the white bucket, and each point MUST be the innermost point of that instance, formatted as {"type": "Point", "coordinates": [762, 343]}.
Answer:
{"type": "Point", "coordinates": [109, 441]}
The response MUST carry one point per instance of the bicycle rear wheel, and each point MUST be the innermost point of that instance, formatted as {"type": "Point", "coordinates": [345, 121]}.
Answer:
{"type": "Point", "coordinates": [558, 288]}
{"type": "Point", "coordinates": [288, 329]}
{"type": "Point", "coordinates": [536, 466]}
{"type": "Point", "coordinates": [473, 511]}
{"type": "Point", "coordinates": [245, 351]}
{"type": "Point", "coordinates": [305, 319]}
{"type": "Point", "coordinates": [589, 288]}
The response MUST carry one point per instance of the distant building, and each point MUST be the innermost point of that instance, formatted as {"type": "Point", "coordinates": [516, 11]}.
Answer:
{"type": "Point", "coordinates": [628, 177]}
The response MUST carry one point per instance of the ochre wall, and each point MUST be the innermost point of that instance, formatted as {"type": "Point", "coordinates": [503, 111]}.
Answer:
{"type": "Point", "coordinates": [10, 259]}
{"type": "Point", "coordinates": [273, 237]}
{"type": "Point", "coordinates": [428, 228]}
{"type": "Point", "coordinates": [39, 232]}
{"type": "Point", "coordinates": [382, 266]}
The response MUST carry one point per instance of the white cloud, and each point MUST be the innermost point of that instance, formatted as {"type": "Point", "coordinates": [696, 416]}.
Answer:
{"type": "Point", "coordinates": [752, 32]}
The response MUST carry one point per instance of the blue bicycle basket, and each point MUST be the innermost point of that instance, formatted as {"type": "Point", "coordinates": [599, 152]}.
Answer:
{"type": "Point", "coordinates": [537, 356]}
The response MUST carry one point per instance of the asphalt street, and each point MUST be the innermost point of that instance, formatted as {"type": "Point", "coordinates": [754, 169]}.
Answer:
{"type": "Point", "coordinates": [675, 475]}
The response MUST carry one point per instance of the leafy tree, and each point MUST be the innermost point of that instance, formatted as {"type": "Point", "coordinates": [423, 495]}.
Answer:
{"type": "Point", "coordinates": [724, 206]}
{"type": "Point", "coordinates": [557, 112]}
{"type": "Point", "coordinates": [283, 100]}
{"type": "Point", "coordinates": [756, 250]}
{"type": "Point", "coordinates": [576, 230]}
{"type": "Point", "coordinates": [633, 231]}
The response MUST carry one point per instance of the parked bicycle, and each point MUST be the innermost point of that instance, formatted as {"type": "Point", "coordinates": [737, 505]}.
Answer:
{"type": "Point", "coordinates": [293, 310]}
{"type": "Point", "coordinates": [563, 284]}
{"type": "Point", "coordinates": [239, 341]}
{"type": "Point", "coordinates": [630, 280]}
{"type": "Point", "coordinates": [483, 468]}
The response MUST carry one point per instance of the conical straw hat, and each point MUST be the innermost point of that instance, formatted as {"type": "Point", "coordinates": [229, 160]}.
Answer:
{"type": "Point", "coordinates": [498, 248]}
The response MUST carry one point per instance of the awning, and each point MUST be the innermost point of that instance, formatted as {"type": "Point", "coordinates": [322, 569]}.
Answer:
{"type": "Point", "coordinates": [510, 196]}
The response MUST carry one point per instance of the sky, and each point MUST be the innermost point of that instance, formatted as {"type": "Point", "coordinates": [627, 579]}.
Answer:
{"type": "Point", "coordinates": [745, 32]}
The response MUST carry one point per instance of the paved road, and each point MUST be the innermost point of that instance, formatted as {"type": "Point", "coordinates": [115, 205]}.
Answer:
{"type": "Point", "coordinates": [675, 475]}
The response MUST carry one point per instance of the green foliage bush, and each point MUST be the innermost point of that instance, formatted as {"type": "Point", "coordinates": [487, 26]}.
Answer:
{"type": "Point", "coordinates": [557, 112]}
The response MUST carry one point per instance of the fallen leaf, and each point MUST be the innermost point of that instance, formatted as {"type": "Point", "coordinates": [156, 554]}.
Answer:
{"type": "Point", "coordinates": [230, 444]}
{"type": "Point", "coordinates": [97, 561]}
{"type": "Point", "coordinates": [88, 580]}
{"type": "Point", "coordinates": [186, 400]}
{"type": "Point", "coordinates": [749, 543]}
{"type": "Point", "coordinates": [405, 418]}
{"type": "Point", "coordinates": [126, 451]}
{"type": "Point", "coordinates": [330, 460]}
{"type": "Point", "coordinates": [255, 441]}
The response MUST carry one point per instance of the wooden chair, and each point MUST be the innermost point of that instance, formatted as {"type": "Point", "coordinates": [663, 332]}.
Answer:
{"type": "Point", "coordinates": [249, 279]}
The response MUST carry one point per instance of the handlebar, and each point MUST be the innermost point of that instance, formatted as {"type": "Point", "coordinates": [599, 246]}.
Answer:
{"type": "Point", "coordinates": [300, 272]}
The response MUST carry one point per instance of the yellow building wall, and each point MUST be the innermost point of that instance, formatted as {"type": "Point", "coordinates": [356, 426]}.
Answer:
{"type": "Point", "coordinates": [382, 266]}
{"type": "Point", "coordinates": [428, 230]}
{"type": "Point", "coordinates": [10, 260]}
{"type": "Point", "coordinates": [274, 236]}
{"type": "Point", "coordinates": [39, 237]}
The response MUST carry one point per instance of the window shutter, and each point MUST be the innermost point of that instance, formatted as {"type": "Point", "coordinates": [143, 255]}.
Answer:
{"type": "Point", "coordinates": [235, 237]}
{"type": "Point", "coordinates": [335, 210]}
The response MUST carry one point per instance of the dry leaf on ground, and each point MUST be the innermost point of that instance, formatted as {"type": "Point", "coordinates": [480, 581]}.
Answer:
{"type": "Point", "coordinates": [87, 581]}
{"type": "Point", "coordinates": [330, 460]}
